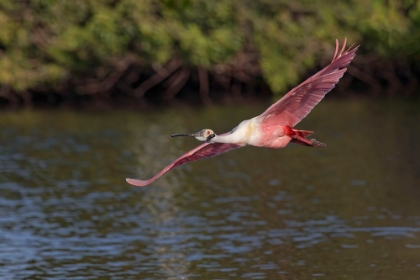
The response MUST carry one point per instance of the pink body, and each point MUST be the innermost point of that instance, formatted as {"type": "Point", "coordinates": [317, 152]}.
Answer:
{"type": "Point", "coordinates": [272, 136]}
{"type": "Point", "coordinates": [274, 127]}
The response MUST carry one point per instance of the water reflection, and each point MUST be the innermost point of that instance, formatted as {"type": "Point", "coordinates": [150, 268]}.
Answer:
{"type": "Point", "coordinates": [349, 210]}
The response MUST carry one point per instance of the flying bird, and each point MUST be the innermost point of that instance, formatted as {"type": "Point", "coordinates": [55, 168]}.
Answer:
{"type": "Point", "coordinates": [274, 128]}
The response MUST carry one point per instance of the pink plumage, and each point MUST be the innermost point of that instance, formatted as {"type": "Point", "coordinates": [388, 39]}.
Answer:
{"type": "Point", "coordinates": [205, 150]}
{"type": "Point", "coordinates": [274, 128]}
{"type": "Point", "coordinates": [300, 101]}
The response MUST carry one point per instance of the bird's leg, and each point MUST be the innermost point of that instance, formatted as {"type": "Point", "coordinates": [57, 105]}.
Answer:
{"type": "Point", "coordinates": [306, 142]}
{"type": "Point", "coordinates": [316, 143]}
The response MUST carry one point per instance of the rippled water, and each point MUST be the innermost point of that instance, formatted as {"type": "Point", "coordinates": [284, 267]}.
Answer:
{"type": "Point", "coordinates": [349, 211]}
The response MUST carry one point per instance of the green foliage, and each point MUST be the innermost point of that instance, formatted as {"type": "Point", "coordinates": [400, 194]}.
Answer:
{"type": "Point", "coordinates": [44, 43]}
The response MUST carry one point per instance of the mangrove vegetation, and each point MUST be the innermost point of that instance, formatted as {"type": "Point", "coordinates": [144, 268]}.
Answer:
{"type": "Point", "coordinates": [55, 52]}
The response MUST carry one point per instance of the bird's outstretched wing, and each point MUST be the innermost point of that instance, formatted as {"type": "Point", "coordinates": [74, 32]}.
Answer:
{"type": "Point", "coordinates": [298, 102]}
{"type": "Point", "coordinates": [203, 151]}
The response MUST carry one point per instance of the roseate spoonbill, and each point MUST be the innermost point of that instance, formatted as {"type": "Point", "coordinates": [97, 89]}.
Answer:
{"type": "Point", "coordinates": [274, 128]}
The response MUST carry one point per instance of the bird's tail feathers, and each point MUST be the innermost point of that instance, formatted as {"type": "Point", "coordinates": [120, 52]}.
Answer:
{"type": "Point", "coordinates": [292, 131]}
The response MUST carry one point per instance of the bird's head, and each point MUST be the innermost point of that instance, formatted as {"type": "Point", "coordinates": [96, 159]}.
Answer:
{"type": "Point", "coordinates": [203, 135]}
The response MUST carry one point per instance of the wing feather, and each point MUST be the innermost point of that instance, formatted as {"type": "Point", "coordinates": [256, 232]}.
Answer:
{"type": "Point", "coordinates": [300, 101]}
{"type": "Point", "coordinates": [205, 150]}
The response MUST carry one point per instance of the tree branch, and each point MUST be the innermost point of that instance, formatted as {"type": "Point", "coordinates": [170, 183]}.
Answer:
{"type": "Point", "coordinates": [204, 85]}
{"type": "Point", "coordinates": [157, 78]}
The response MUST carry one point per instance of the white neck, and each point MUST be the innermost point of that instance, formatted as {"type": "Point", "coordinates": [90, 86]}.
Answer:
{"type": "Point", "coordinates": [240, 135]}
{"type": "Point", "coordinates": [230, 138]}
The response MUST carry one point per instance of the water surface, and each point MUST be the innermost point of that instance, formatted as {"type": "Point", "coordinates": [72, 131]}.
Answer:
{"type": "Point", "coordinates": [348, 211]}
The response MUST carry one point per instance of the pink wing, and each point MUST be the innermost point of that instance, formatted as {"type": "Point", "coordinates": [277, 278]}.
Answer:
{"type": "Point", "coordinates": [298, 102]}
{"type": "Point", "coordinates": [203, 151]}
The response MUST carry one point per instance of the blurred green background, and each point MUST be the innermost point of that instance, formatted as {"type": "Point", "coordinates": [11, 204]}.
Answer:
{"type": "Point", "coordinates": [142, 51]}
{"type": "Point", "coordinates": [121, 52]}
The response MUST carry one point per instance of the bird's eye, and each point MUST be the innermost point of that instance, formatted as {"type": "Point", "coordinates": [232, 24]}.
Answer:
{"type": "Point", "coordinates": [207, 132]}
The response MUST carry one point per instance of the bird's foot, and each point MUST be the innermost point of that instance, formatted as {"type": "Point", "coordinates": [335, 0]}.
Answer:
{"type": "Point", "coordinates": [316, 143]}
